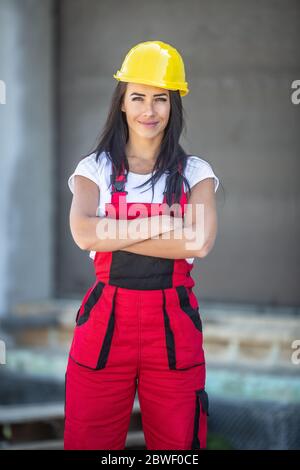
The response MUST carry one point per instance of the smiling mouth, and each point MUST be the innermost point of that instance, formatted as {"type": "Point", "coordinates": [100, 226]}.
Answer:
{"type": "Point", "coordinates": [148, 123]}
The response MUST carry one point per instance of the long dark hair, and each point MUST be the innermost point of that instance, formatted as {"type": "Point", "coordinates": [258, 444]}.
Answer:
{"type": "Point", "coordinates": [115, 135]}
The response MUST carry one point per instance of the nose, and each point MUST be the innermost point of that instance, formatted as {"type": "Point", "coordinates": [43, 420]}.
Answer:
{"type": "Point", "coordinates": [149, 110]}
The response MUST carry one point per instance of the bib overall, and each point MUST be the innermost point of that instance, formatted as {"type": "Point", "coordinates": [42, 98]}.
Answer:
{"type": "Point", "coordinates": [138, 328]}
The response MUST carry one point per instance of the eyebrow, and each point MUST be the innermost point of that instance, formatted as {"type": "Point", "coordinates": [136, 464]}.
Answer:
{"type": "Point", "coordinates": [141, 94]}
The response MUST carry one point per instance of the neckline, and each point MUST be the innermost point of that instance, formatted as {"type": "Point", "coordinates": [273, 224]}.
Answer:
{"type": "Point", "coordinates": [139, 174]}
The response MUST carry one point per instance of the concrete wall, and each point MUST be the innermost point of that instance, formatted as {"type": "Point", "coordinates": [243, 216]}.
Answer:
{"type": "Point", "coordinates": [240, 61]}
{"type": "Point", "coordinates": [240, 58]}
{"type": "Point", "coordinates": [26, 149]}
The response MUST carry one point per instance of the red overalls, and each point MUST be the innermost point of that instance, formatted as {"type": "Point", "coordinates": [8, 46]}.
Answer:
{"type": "Point", "coordinates": [138, 327]}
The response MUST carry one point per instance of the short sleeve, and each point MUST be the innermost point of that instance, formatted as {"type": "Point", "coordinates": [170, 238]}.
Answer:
{"type": "Point", "coordinates": [87, 167]}
{"type": "Point", "coordinates": [198, 169]}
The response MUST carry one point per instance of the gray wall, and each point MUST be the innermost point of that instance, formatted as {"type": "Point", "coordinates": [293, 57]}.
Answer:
{"type": "Point", "coordinates": [26, 152]}
{"type": "Point", "coordinates": [241, 58]}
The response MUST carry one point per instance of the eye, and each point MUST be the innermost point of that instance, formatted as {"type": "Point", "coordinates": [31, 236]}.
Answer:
{"type": "Point", "coordinates": [139, 98]}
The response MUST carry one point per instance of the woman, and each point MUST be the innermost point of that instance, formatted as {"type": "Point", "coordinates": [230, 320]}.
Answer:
{"type": "Point", "coordinates": [138, 326]}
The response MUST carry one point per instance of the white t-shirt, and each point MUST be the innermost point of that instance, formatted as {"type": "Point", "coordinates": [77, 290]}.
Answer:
{"type": "Point", "coordinates": [196, 170]}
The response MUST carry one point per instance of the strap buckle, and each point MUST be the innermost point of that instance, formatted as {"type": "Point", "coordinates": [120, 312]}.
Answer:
{"type": "Point", "coordinates": [119, 185]}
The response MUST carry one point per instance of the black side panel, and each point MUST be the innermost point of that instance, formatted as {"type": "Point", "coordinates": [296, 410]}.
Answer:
{"type": "Point", "coordinates": [89, 304]}
{"type": "Point", "coordinates": [201, 396]}
{"type": "Point", "coordinates": [170, 342]}
{"type": "Point", "coordinates": [108, 338]}
{"type": "Point", "coordinates": [185, 305]}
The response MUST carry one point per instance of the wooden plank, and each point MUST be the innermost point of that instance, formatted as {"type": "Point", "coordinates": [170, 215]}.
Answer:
{"type": "Point", "coordinates": [37, 445]}
{"type": "Point", "coordinates": [134, 438]}
{"type": "Point", "coordinates": [15, 414]}
{"type": "Point", "coordinates": [11, 414]}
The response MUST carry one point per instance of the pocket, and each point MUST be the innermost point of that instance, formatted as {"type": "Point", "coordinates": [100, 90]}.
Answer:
{"type": "Point", "coordinates": [94, 328]}
{"type": "Point", "coordinates": [183, 331]}
{"type": "Point", "coordinates": [88, 301]}
{"type": "Point", "coordinates": [200, 420]}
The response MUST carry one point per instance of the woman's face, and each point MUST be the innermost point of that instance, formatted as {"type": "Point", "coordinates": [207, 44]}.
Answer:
{"type": "Point", "coordinates": [146, 104]}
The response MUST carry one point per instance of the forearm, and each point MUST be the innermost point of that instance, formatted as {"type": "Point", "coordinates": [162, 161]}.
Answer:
{"type": "Point", "coordinates": [108, 234]}
{"type": "Point", "coordinates": [176, 244]}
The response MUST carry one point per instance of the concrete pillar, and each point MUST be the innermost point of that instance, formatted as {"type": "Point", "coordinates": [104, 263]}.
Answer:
{"type": "Point", "coordinates": [26, 151]}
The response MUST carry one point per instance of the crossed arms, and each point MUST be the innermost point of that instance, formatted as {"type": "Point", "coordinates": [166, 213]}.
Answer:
{"type": "Point", "coordinates": [162, 236]}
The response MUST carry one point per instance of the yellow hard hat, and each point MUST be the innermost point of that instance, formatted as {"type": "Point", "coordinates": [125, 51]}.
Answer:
{"type": "Point", "coordinates": [154, 63]}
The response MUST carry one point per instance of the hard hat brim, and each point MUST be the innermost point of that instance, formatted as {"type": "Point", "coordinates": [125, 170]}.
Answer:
{"type": "Point", "coordinates": [181, 87]}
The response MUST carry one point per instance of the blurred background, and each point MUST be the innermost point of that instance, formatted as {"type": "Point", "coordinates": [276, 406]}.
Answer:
{"type": "Point", "coordinates": [57, 58]}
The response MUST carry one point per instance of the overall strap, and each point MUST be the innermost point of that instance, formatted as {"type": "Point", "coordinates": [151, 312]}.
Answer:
{"type": "Point", "coordinates": [119, 182]}
{"type": "Point", "coordinates": [118, 186]}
